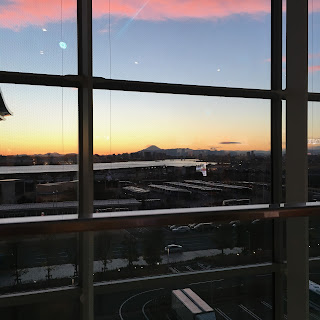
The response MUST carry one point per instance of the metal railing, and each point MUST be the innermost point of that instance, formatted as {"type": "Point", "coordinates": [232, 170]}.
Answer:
{"type": "Point", "coordinates": [148, 218]}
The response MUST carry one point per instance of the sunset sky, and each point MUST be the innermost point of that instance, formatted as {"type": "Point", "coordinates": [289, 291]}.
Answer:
{"type": "Point", "coordinates": [207, 42]}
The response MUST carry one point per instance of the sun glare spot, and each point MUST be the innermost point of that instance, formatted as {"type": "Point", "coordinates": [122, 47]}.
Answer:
{"type": "Point", "coordinates": [63, 45]}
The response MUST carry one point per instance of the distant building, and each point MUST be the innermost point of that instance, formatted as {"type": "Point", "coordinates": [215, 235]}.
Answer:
{"type": "Point", "coordinates": [11, 190]}
{"type": "Point", "coordinates": [57, 191]}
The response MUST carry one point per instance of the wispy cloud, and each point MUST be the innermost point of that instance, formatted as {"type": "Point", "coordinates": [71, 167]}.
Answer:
{"type": "Point", "coordinates": [229, 142]}
{"type": "Point", "coordinates": [314, 55]}
{"type": "Point", "coordinates": [314, 68]}
{"type": "Point", "coordinates": [21, 13]}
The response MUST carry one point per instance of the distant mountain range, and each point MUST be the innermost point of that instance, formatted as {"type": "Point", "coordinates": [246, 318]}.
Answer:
{"type": "Point", "coordinates": [178, 152]}
{"type": "Point", "coordinates": [192, 152]}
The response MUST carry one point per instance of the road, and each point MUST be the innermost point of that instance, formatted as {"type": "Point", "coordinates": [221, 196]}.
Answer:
{"type": "Point", "coordinates": [155, 304]}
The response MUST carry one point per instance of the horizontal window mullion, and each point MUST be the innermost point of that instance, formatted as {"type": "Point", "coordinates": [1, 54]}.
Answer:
{"type": "Point", "coordinates": [40, 79]}
{"type": "Point", "coordinates": [312, 96]}
{"type": "Point", "coordinates": [161, 217]}
{"type": "Point", "coordinates": [137, 86]}
{"type": "Point", "coordinates": [172, 88]}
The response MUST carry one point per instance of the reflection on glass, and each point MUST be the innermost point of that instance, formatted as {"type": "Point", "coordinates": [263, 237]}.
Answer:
{"type": "Point", "coordinates": [37, 263]}
{"type": "Point", "coordinates": [173, 249]}
{"type": "Point", "coordinates": [38, 151]}
{"type": "Point", "coordinates": [235, 298]}
{"type": "Point", "coordinates": [192, 42]}
{"type": "Point", "coordinates": [156, 151]}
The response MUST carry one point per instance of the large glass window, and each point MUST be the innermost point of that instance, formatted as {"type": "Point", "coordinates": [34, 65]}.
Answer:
{"type": "Point", "coordinates": [160, 150]}
{"type": "Point", "coordinates": [168, 151]}
{"type": "Point", "coordinates": [191, 42]}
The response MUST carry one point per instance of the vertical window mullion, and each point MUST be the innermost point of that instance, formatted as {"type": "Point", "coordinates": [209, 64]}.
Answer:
{"type": "Point", "coordinates": [85, 192]}
{"type": "Point", "coordinates": [296, 158]}
{"type": "Point", "coordinates": [276, 153]}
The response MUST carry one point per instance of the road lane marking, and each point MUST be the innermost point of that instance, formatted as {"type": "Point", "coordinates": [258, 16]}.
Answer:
{"type": "Point", "coordinates": [174, 270]}
{"type": "Point", "coordinates": [266, 304]}
{"type": "Point", "coordinates": [249, 312]}
{"type": "Point", "coordinates": [270, 307]}
{"type": "Point", "coordinates": [222, 314]}
{"type": "Point", "coordinates": [314, 316]}
{"type": "Point", "coordinates": [143, 309]}
{"type": "Point", "coordinates": [138, 294]}
{"type": "Point", "coordinates": [314, 305]}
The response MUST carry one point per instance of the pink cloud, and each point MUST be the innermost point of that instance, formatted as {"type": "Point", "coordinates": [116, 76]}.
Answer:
{"type": "Point", "coordinates": [313, 55]}
{"type": "Point", "coordinates": [313, 68]}
{"type": "Point", "coordinates": [20, 13]}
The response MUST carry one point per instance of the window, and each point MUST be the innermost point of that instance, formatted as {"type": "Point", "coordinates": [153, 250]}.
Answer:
{"type": "Point", "coordinates": [157, 81]}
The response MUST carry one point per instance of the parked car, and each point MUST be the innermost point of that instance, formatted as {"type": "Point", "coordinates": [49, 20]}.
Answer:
{"type": "Point", "coordinates": [203, 226]}
{"type": "Point", "coordinates": [173, 248]}
{"type": "Point", "coordinates": [255, 221]}
{"type": "Point", "coordinates": [234, 223]}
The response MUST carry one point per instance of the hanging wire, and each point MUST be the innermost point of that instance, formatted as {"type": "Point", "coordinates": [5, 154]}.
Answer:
{"type": "Point", "coordinates": [312, 66]}
{"type": "Point", "coordinates": [110, 98]}
{"type": "Point", "coordinates": [62, 73]}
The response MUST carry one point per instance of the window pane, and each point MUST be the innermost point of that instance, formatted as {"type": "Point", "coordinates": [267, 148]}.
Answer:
{"type": "Point", "coordinates": [314, 151]}
{"type": "Point", "coordinates": [156, 151]}
{"type": "Point", "coordinates": [191, 42]}
{"type": "Point", "coordinates": [39, 36]}
{"type": "Point", "coordinates": [38, 148]}
{"type": "Point", "coordinates": [45, 261]}
{"type": "Point", "coordinates": [175, 249]}
{"type": "Point", "coordinates": [314, 46]}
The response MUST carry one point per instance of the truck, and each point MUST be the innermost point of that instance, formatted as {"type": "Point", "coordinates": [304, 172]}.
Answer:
{"type": "Point", "coordinates": [187, 305]}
